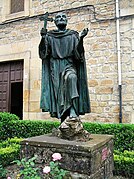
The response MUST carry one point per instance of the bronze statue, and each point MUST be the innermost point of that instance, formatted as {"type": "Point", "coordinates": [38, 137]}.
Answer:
{"type": "Point", "coordinates": [64, 80]}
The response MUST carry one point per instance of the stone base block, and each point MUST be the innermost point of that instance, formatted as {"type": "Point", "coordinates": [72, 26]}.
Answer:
{"type": "Point", "coordinates": [84, 160]}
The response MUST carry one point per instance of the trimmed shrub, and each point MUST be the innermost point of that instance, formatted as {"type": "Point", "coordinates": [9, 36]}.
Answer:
{"type": "Point", "coordinates": [123, 139]}
{"type": "Point", "coordinates": [10, 142]}
{"type": "Point", "coordinates": [123, 134]}
{"type": "Point", "coordinates": [5, 119]}
{"type": "Point", "coordinates": [30, 128]}
{"type": "Point", "coordinates": [126, 153]}
{"type": "Point", "coordinates": [9, 151]}
{"type": "Point", "coordinates": [8, 154]}
{"type": "Point", "coordinates": [124, 165]}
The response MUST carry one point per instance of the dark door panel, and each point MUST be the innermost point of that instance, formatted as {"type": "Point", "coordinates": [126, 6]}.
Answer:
{"type": "Point", "coordinates": [16, 71]}
{"type": "Point", "coordinates": [11, 80]}
{"type": "Point", "coordinates": [4, 101]}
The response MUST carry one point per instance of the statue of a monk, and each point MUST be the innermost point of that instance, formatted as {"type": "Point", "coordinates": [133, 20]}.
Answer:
{"type": "Point", "coordinates": [64, 81]}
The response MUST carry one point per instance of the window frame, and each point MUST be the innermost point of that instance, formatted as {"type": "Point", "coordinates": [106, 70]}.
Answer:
{"type": "Point", "coordinates": [13, 6]}
{"type": "Point", "coordinates": [8, 16]}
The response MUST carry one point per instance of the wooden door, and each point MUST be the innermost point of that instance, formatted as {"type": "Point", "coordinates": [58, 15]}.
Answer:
{"type": "Point", "coordinates": [11, 76]}
{"type": "Point", "coordinates": [4, 87]}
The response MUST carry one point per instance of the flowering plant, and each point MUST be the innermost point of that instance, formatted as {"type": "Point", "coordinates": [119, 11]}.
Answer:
{"type": "Point", "coordinates": [53, 171]}
{"type": "Point", "coordinates": [29, 170]}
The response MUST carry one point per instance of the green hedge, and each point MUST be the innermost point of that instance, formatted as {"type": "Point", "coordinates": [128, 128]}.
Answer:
{"type": "Point", "coordinates": [10, 142]}
{"type": "Point", "coordinates": [126, 153]}
{"type": "Point", "coordinates": [12, 127]}
{"type": "Point", "coordinates": [5, 119]}
{"type": "Point", "coordinates": [8, 154]}
{"type": "Point", "coordinates": [9, 151]}
{"type": "Point", "coordinates": [123, 133]}
{"type": "Point", "coordinates": [30, 128]}
{"type": "Point", "coordinates": [124, 163]}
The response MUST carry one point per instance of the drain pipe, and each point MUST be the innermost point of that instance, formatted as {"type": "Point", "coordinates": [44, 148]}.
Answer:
{"type": "Point", "coordinates": [119, 61]}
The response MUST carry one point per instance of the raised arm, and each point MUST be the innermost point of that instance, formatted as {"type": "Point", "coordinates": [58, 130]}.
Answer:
{"type": "Point", "coordinates": [79, 50]}
{"type": "Point", "coordinates": [80, 47]}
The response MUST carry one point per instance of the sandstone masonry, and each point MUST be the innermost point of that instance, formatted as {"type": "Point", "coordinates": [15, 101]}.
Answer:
{"type": "Point", "coordinates": [19, 39]}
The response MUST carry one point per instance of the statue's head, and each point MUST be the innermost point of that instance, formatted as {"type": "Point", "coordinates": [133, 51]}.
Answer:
{"type": "Point", "coordinates": [61, 20]}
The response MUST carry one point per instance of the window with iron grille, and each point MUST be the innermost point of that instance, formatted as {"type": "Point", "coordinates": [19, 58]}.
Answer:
{"type": "Point", "coordinates": [17, 6]}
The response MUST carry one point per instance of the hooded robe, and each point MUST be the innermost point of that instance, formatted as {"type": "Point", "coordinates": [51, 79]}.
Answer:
{"type": "Point", "coordinates": [64, 80]}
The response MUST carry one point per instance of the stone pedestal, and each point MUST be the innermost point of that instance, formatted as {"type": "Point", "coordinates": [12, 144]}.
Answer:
{"type": "Point", "coordinates": [85, 160]}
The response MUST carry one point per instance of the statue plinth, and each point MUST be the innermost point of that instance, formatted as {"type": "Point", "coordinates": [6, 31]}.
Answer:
{"type": "Point", "coordinates": [92, 159]}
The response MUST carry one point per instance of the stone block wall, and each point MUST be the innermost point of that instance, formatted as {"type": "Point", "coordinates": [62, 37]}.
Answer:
{"type": "Point", "coordinates": [86, 160]}
{"type": "Point", "coordinates": [19, 39]}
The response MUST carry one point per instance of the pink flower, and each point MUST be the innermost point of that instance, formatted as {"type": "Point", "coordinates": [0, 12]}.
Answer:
{"type": "Point", "coordinates": [46, 169]}
{"type": "Point", "coordinates": [56, 156]}
{"type": "Point", "coordinates": [8, 177]}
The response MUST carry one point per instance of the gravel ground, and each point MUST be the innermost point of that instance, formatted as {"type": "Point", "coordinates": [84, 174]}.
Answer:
{"type": "Point", "coordinates": [12, 171]}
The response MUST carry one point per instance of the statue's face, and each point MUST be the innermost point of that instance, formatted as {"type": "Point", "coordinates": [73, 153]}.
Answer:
{"type": "Point", "coordinates": [61, 19]}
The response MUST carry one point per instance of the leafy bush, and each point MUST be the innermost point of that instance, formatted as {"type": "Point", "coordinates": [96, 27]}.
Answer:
{"type": "Point", "coordinates": [124, 163]}
{"type": "Point", "coordinates": [28, 169]}
{"type": "Point", "coordinates": [30, 128]}
{"type": "Point", "coordinates": [123, 140]}
{"type": "Point", "coordinates": [126, 153]}
{"type": "Point", "coordinates": [9, 142]}
{"type": "Point", "coordinates": [8, 154]}
{"type": "Point", "coordinates": [5, 119]}
{"type": "Point", "coordinates": [123, 134]}
{"type": "Point", "coordinates": [9, 150]}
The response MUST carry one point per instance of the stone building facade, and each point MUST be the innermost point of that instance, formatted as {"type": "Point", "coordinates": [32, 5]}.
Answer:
{"type": "Point", "coordinates": [20, 36]}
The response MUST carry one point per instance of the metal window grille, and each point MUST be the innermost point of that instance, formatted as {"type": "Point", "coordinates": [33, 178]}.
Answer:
{"type": "Point", "coordinates": [17, 6]}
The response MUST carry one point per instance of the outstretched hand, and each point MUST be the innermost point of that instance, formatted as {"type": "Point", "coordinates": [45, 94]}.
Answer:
{"type": "Point", "coordinates": [84, 33]}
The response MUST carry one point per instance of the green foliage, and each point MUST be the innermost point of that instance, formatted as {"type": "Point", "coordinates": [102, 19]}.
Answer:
{"type": "Point", "coordinates": [9, 150]}
{"type": "Point", "coordinates": [126, 153]}
{"type": "Point", "coordinates": [123, 134]}
{"type": "Point", "coordinates": [9, 153]}
{"type": "Point", "coordinates": [2, 172]}
{"type": "Point", "coordinates": [10, 142]}
{"type": "Point", "coordinates": [5, 119]}
{"type": "Point", "coordinates": [124, 163]}
{"type": "Point", "coordinates": [11, 127]}
{"type": "Point", "coordinates": [56, 172]}
{"type": "Point", "coordinates": [28, 128]}
{"type": "Point", "coordinates": [29, 170]}
{"type": "Point", "coordinates": [123, 139]}
{"type": "Point", "coordinates": [27, 167]}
